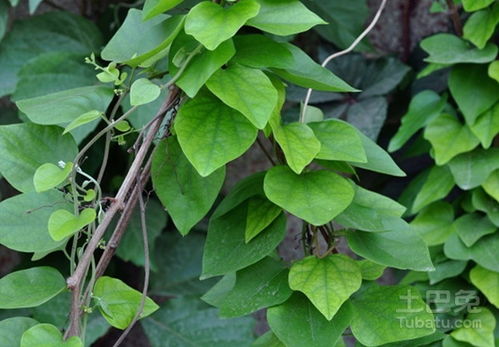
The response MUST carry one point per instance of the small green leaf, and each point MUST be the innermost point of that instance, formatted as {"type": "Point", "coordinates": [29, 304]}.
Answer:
{"type": "Point", "coordinates": [480, 27]}
{"type": "Point", "coordinates": [48, 176]}
{"type": "Point", "coordinates": [487, 281]}
{"type": "Point", "coordinates": [384, 314]}
{"type": "Point", "coordinates": [119, 303]}
{"type": "Point", "coordinates": [211, 134]}
{"type": "Point", "coordinates": [143, 91]}
{"type": "Point", "coordinates": [491, 185]}
{"type": "Point", "coordinates": [186, 195]}
{"type": "Point", "coordinates": [474, 91]}
{"type": "Point", "coordinates": [225, 248]}
{"type": "Point", "coordinates": [299, 144]}
{"type": "Point", "coordinates": [247, 90]}
{"type": "Point", "coordinates": [434, 223]}
{"type": "Point", "coordinates": [152, 8]}
{"type": "Point", "coordinates": [472, 169]}
{"type": "Point", "coordinates": [47, 335]}
{"type": "Point", "coordinates": [486, 126]}
{"type": "Point", "coordinates": [298, 323]}
{"type": "Point", "coordinates": [339, 141]}
{"type": "Point", "coordinates": [475, 5]}
{"type": "Point", "coordinates": [317, 196]}
{"type": "Point", "coordinates": [212, 24]}
{"type": "Point", "coordinates": [446, 269]}
{"type": "Point", "coordinates": [436, 186]}
{"type": "Point", "coordinates": [89, 195]}
{"type": "Point", "coordinates": [482, 252]}
{"type": "Point", "coordinates": [85, 118]}
{"type": "Point", "coordinates": [284, 18]}
{"type": "Point", "coordinates": [493, 70]}
{"type": "Point", "coordinates": [11, 329]}
{"type": "Point", "coordinates": [30, 288]}
{"type": "Point", "coordinates": [261, 213]}
{"type": "Point", "coordinates": [327, 282]}
{"type": "Point", "coordinates": [424, 107]}
{"type": "Point", "coordinates": [122, 126]}
{"type": "Point", "coordinates": [450, 49]}
{"type": "Point", "coordinates": [480, 334]}
{"type": "Point", "coordinates": [471, 227]}
{"type": "Point", "coordinates": [268, 340]}
{"type": "Point", "coordinates": [401, 249]}
{"type": "Point", "coordinates": [63, 223]}
{"type": "Point", "coordinates": [370, 271]}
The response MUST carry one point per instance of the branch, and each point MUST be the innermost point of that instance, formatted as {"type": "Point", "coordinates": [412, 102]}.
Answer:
{"type": "Point", "coordinates": [456, 20]}
{"type": "Point", "coordinates": [340, 53]}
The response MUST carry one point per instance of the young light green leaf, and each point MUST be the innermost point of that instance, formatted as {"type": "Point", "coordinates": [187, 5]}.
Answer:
{"type": "Point", "coordinates": [47, 335]}
{"type": "Point", "coordinates": [143, 91]}
{"type": "Point", "coordinates": [480, 27]}
{"type": "Point", "coordinates": [370, 270]}
{"type": "Point", "coordinates": [152, 8]}
{"type": "Point", "coordinates": [475, 5]}
{"type": "Point", "coordinates": [119, 303]}
{"type": "Point", "coordinates": [327, 282]}
{"type": "Point", "coordinates": [401, 249]}
{"type": "Point", "coordinates": [261, 285]}
{"type": "Point", "coordinates": [486, 126]}
{"type": "Point", "coordinates": [85, 118]}
{"type": "Point", "coordinates": [48, 176]}
{"type": "Point", "coordinates": [434, 223]}
{"type": "Point", "coordinates": [284, 18]}
{"type": "Point", "coordinates": [424, 107]}
{"type": "Point", "coordinates": [487, 281]}
{"type": "Point", "coordinates": [299, 144]}
{"type": "Point", "coordinates": [63, 223]}
{"type": "Point", "coordinates": [471, 227]}
{"type": "Point", "coordinates": [474, 91]}
{"type": "Point", "coordinates": [482, 252]}
{"type": "Point", "coordinates": [472, 169]}
{"type": "Point", "coordinates": [261, 213]}
{"type": "Point", "coordinates": [298, 323]}
{"type": "Point", "coordinates": [317, 196]}
{"type": "Point", "coordinates": [436, 186]}
{"type": "Point", "coordinates": [225, 248]}
{"type": "Point", "coordinates": [449, 138]}
{"type": "Point", "coordinates": [491, 185]}
{"type": "Point", "coordinates": [11, 329]}
{"type": "Point", "coordinates": [30, 288]}
{"type": "Point", "coordinates": [142, 43]}
{"type": "Point", "coordinates": [450, 49]}
{"type": "Point", "coordinates": [493, 70]}
{"type": "Point", "coordinates": [381, 314]}
{"type": "Point", "coordinates": [211, 134]}
{"type": "Point", "coordinates": [339, 141]}
{"type": "Point", "coordinates": [247, 90]}
{"type": "Point", "coordinates": [212, 24]}
{"type": "Point", "coordinates": [479, 335]}
{"type": "Point", "coordinates": [186, 195]}
{"type": "Point", "coordinates": [122, 126]}
{"type": "Point", "coordinates": [37, 145]}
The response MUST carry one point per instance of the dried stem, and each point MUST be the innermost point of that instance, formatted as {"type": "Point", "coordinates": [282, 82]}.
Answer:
{"type": "Point", "coordinates": [456, 20]}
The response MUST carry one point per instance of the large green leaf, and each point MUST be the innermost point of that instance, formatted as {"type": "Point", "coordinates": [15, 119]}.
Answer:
{"type": "Point", "coordinates": [225, 248]}
{"type": "Point", "coordinates": [142, 43]}
{"type": "Point", "coordinates": [339, 141]}
{"type": "Point", "coordinates": [371, 211]}
{"type": "Point", "coordinates": [317, 196]}
{"type": "Point", "coordinates": [25, 147]}
{"type": "Point", "coordinates": [63, 224]}
{"type": "Point", "coordinates": [473, 226]}
{"type": "Point", "coordinates": [327, 282]}
{"type": "Point", "coordinates": [201, 66]}
{"type": "Point", "coordinates": [24, 221]}
{"type": "Point", "coordinates": [119, 303]}
{"type": "Point", "coordinates": [246, 54]}
{"type": "Point", "coordinates": [152, 8]}
{"type": "Point", "coordinates": [34, 36]}
{"type": "Point", "coordinates": [11, 329]}
{"type": "Point", "coordinates": [212, 24]}
{"type": "Point", "coordinates": [475, 5]}
{"type": "Point", "coordinates": [401, 249]}
{"type": "Point", "coordinates": [480, 27]}
{"type": "Point", "coordinates": [298, 323]}
{"type": "Point", "coordinates": [487, 281]}
{"type": "Point", "coordinates": [49, 176]}
{"type": "Point", "coordinates": [284, 17]}
{"type": "Point", "coordinates": [491, 185]}
{"type": "Point", "coordinates": [449, 138]}
{"type": "Point", "coordinates": [384, 314]}
{"type": "Point", "coordinates": [486, 126]}
{"type": "Point", "coordinates": [485, 203]}
{"type": "Point", "coordinates": [450, 49]}
{"type": "Point", "coordinates": [187, 322]}
{"type": "Point", "coordinates": [434, 223]}
{"type": "Point", "coordinates": [247, 90]}
{"type": "Point", "coordinates": [436, 186]}
{"type": "Point", "coordinates": [483, 252]}
{"type": "Point", "coordinates": [474, 91]}
{"type": "Point", "coordinates": [211, 134]}
{"type": "Point", "coordinates": [479, 335]}
{"type": "Point", "coordinates": [261, 212]}
{"type": "Point", "coordinates": [299, 144]}
{"type": "Point", "coordinates": [186, 195]}
{"type": "Point", "coordinates": [259, 286]}
{"type": "Point", "coordinates": [424, 107]}
{"type": "Point", "coordinates": [30, 288]}
{"type": "Point", "coordinates": [47, 335]}
{"type": "Point", "coordinates": [472, 169]}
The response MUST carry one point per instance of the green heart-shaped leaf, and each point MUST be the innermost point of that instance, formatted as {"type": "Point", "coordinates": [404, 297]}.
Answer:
{"type": "Point", "coordinates": [49, 176]}
{"type": "Point", "coordinates": [47, 335]}
{"type": "Point", "coordinates": [63, 224]}
{"type": "Point", "coordinates": [143, 92]}
{"type": "Point", "coordinates": [317, 197]}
